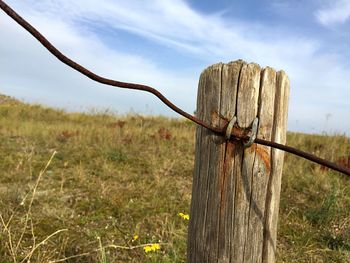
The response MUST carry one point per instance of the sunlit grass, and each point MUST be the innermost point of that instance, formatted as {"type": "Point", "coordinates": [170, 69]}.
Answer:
{"type": "Point", "coordinates": [119, 184]}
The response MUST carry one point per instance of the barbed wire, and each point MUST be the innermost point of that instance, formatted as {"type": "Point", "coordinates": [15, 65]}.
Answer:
{"type": "Point", "coordinates": [236, 133]}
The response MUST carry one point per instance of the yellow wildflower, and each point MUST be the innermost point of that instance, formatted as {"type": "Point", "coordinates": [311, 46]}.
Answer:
{"type": "Point", "coordinates": [151, 248]}
{"type": "Point", "coordinates": [147, 249]}
{"type": "Point", "coordinates": [184, 216]}
{"type": "Point", "coordinates": [156, 246]}
{"type": "Point", "coordinates": [135, 237]}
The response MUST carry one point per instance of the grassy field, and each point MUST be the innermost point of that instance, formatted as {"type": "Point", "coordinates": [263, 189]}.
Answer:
{"type": "Point", "coordinates": [99, 188]}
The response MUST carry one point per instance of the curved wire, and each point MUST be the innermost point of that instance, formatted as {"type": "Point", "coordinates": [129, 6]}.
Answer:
{"type": "Point", "coordinates": [238, 133]}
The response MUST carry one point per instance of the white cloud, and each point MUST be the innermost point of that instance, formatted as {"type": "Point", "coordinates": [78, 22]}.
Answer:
{"type": "Point", "coordinates": [28, 71]}
{"type": "Point", "coordinates": [337, 12]}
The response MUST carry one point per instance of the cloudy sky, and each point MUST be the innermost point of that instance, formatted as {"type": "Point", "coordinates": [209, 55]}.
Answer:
{"type": "Point", "coordinates": [166, 44]}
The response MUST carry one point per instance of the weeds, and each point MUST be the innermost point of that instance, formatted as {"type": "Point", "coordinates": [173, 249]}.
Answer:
{"type": "Point", "coordinates": [15, 243]}
{"type": "Point", "coordinates": [327, 210]}
{"type": "Point", "coordinates": [118, 177]}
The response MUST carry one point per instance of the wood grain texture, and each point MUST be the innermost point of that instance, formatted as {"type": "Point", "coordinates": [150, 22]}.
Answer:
{"type": "Point", "coordinates": [233, 217]}
{"type": "Point", "coordinates": [274, 184]}
{"type": "Point", "coordinates": [261, 169]}
{"type": "Point", "coordinates": [247, 110]}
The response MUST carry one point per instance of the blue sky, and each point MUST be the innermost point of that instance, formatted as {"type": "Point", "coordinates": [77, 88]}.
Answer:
{"type": "Point", "coordinates": [166, 44]}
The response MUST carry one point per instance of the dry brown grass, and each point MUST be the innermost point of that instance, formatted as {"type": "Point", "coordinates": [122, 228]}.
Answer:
{"type": "Point", "coordinates": [113, 177]}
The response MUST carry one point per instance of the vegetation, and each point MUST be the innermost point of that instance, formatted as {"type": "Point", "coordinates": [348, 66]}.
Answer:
{"type": "Point", "coordinates": [104, 188]}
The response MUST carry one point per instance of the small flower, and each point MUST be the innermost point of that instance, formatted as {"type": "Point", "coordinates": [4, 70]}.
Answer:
{"type": "Point", "coordinates": [156, 246]}
{"type": "Point", "coordinates": [151, 248]}
{"type": "Point", "coordinates": [184, 216]}
{"type": "Point", "coordinates": [147, 249]}
{"type": "Point", "coordinates": [135, 237]}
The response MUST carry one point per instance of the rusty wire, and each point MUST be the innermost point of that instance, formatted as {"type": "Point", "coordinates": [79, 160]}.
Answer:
{"type": "Point", "coordinates": [237, 133]}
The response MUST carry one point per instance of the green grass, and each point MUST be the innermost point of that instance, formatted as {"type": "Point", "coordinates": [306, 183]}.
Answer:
{"type": "Point", "coordinates": [112, 177]}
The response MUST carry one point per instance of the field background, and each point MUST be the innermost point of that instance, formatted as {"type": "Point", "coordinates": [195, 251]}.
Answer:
{"type": "Point", "coordinates": [80, 187]}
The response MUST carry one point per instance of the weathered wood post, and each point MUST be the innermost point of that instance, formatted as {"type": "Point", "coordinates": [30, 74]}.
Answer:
{"type": "Point", "coordinates": [236, 190]}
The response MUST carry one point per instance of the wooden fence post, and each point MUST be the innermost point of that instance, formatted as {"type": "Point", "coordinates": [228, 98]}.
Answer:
{"type": "Point", "coordinates": [236, 190]}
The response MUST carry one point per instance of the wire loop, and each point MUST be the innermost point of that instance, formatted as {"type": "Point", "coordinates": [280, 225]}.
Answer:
{"type": "Point", "coordinates": [253, 135]}
{"type": "Point", "coordinates": [232, 122]}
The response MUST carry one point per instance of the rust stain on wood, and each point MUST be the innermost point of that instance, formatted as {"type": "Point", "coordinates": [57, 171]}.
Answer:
{"type": "Point", "coordinates": [226, 173]}
{"type": "Point", "coordinates": [263, 154]}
